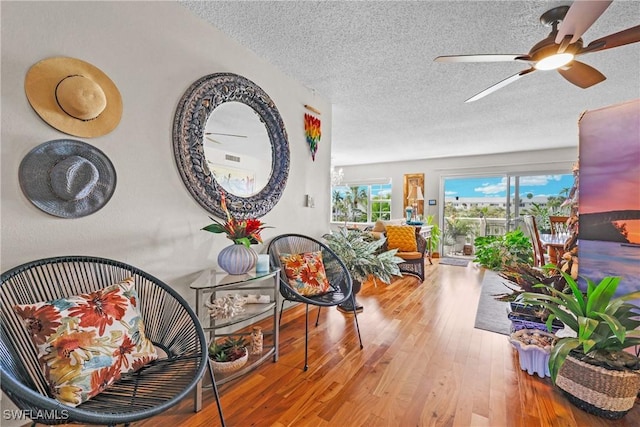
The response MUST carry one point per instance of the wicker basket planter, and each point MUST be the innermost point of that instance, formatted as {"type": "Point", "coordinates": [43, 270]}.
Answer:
{"type": "Point", "coordinates": [597, 390]}
{"type": "Point", "coordinates": [232, 366]}
{"type": "Point", "coordinates": [534, 348]}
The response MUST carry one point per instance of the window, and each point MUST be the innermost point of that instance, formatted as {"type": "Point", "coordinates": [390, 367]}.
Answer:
{"type": "Point", "coordinates": [380, 202]}
{"type": "Point", "coordinates": [360, 203]}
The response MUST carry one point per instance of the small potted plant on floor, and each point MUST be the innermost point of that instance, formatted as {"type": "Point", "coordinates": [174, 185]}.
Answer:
{"type": "Point", "coordinates": [592, 368]}
{"type": "Point", "coordinates": [229, 355]}
{"type": "Point", "coordinates": [524, 278]}
{"type": "Point", "coordinates": [435, 237]}
{"type": "Point", "coordinates": [534, 348]}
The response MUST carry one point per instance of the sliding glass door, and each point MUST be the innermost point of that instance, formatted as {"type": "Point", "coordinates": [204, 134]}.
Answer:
{"type": "Point", "coordinates": [492, 205]}
{"type": "Point", "coordinates": [540, 196]}
{"type": "Point", "coordinates": [473, 206]}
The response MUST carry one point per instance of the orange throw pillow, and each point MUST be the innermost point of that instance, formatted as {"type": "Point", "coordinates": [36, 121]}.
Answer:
{"type": "Point", "coordinates": [402, 237]}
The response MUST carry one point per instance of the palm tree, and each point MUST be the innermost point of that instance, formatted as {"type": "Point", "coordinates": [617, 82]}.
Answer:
{"type": "Point", "coordinates": [338, 207]}
{"type": "Point", "coordinates": [357, 199]}
{"type": "Point", "coordinates": [542, 216]}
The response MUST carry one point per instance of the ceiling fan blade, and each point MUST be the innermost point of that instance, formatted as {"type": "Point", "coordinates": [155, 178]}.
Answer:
{"type": "Point", "coordinates": [628, 36]}
{"type": "Point", "coordinates": [213, 140]}
{"type": "Point", "coordinates": [482, 58]}
{"type": "Point", "coordinates": [225, 134]}
{"type": "Point", "coordinates": [580, 16]}
{"type": "Point", "coordinates": [500, 84]}
{"type": "Point", "coordinates": [581, 74]}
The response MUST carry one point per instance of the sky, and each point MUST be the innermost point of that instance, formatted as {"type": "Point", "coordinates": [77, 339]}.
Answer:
{"type": "Point", "coordinates": [610, 162]}
{"type": "Point", "coordinates": [540, 185]}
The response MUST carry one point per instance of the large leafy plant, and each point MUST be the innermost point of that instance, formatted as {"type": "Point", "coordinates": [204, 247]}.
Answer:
{"type": "Point", "coordinates": [362, 256]}
{"type": "Point", "coordinates": [496, 252]}
{"type": "Point", "coordinates": [604, 325]}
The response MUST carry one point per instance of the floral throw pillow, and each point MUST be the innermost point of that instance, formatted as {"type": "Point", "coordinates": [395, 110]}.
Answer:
{"type": "Point", "coordinates": [86, 342]}
{"type": "Point", "coordinates": [306, 273]}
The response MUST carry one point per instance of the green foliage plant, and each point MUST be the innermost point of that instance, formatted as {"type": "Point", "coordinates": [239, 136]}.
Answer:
{"type": "Point", "coordinates": [459, 227]}
{"type": "Point", "coordinates": [496, 252]}
{"type": "Point", "coordinates": [362, 255]}
{"type": "Point", "coordinates": [435, 235]}
{"type": "Point", "coordinates": [526, 277]}
{"type": "Point", "coordinates": [228, 350]}
{"type": "Point", "coordinates": [604, 325]}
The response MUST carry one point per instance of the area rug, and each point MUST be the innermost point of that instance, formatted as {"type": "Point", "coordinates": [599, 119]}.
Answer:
{"type": "Point", "coordinates": [460, 262]}
{"type": "Point", "coordinates": [492, 314]}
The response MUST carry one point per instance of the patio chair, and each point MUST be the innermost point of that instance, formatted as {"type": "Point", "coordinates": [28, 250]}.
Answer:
{"type": "Point", "coordinates": [540, 257]}
{"type": "Point", "coordinates": [169, 323]}
{"type": "Point", "coordinates": [337, 274]}
{"type": "Point", "coordinates": [558, 224]}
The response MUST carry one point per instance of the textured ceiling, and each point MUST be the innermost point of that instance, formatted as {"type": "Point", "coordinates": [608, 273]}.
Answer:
{"type": "Point", "coordinates": [392, 102]}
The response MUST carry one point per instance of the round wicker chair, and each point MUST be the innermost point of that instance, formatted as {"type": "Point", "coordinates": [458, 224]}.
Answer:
{"type": "Point", "coordinates": [337, 274]}
{"type": "Point", "coordinates": [170, 324]}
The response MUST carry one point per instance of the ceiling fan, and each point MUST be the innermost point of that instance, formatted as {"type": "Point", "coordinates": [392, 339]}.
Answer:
{"type": "Point", "coordinates": [558, 50]}
{"type": "Point", "coordinates": [222, 134]}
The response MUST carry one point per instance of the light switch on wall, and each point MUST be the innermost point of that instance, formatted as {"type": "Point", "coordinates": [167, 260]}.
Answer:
{"type": "Point", "coordinates": [309, 202]}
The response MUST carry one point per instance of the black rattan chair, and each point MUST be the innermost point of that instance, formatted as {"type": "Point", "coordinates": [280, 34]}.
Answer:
{"type": "Point", "coordinates": [337, 274]}
{"type": "Point", "coordinates": [169, 323]}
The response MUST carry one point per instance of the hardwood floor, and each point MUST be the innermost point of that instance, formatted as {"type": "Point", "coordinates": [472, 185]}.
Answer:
{"type": "Point", "coordinates": [423, 364]}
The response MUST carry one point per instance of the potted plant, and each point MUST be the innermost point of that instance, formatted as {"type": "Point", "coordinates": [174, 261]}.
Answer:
{"type": "Point", "coordinates": [534, 348]}
{"type": "Point", "coordinates": [361, 254]}
{"type": "Point", "coordinates": [497, 252]}
{"type": "Point", "coordinates": [229, 355]}
{"type": "Point", "coordinates": [525, 277]}
{"type": "Point", "coordinates": [239, 257]}
{"type": "Point", "coordinates": [594, 360]}
{"type": "Point", "coordinates": [435, 237]}
{"type": "Point", "coordinates": [459, 231]}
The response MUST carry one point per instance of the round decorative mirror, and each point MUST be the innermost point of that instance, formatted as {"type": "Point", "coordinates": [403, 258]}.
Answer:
{"type": "Point", "coordinates": [229, 138]}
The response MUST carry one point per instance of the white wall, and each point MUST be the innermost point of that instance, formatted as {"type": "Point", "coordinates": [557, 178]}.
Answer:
{"type": "Point", "coordinates": [152, 51]}
{"type": "Point", "coordinates": [547, 161]}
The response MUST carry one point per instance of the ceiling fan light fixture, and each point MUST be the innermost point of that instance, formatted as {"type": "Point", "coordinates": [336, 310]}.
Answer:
{"type": "Point", "coordinates": [554, 61]}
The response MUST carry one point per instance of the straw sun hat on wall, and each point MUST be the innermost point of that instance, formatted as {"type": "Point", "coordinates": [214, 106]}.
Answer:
{"type": "Point", "coordinates": [73, 96]}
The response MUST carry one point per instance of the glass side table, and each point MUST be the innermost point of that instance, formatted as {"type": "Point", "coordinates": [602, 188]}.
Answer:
{"type": "Point", "coordinates": [263, 288]}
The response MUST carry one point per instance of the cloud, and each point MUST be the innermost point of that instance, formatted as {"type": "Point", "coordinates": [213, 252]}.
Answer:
{"type": "Point", "coordinates": [492, 188]}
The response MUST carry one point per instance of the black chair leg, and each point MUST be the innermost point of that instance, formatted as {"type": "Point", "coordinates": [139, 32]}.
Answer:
{"type": "Point", "coordinates": [355, 317]}
{"type": "Point", "coordinates": [318, 317]}
{"type": "Point", "coordinates": [281, 310]}
{"type": "Point", "coordinates": [306, 336]}
{"type": "Point", "coordinates": [214, 387]}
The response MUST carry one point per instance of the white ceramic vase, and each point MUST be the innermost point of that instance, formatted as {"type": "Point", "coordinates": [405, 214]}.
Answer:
{"type": "Point", "coordinates": [237, 259]}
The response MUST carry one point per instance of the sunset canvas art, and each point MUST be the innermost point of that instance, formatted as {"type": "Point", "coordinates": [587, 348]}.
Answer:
{"type": "Point", "coordinates": [609, 194]}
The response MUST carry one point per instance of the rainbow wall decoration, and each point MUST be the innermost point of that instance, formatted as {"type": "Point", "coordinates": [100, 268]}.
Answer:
{"type": "Point", "coordinates": [312, 133]}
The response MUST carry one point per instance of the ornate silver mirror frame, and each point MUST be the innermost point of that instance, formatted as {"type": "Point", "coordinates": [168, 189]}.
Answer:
{"type": "Point", "coordinates": [193, 111]}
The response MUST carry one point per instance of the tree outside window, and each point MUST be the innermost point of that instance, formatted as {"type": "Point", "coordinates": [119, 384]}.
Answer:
{"type": "Point", "coordinates": [360, 203]}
